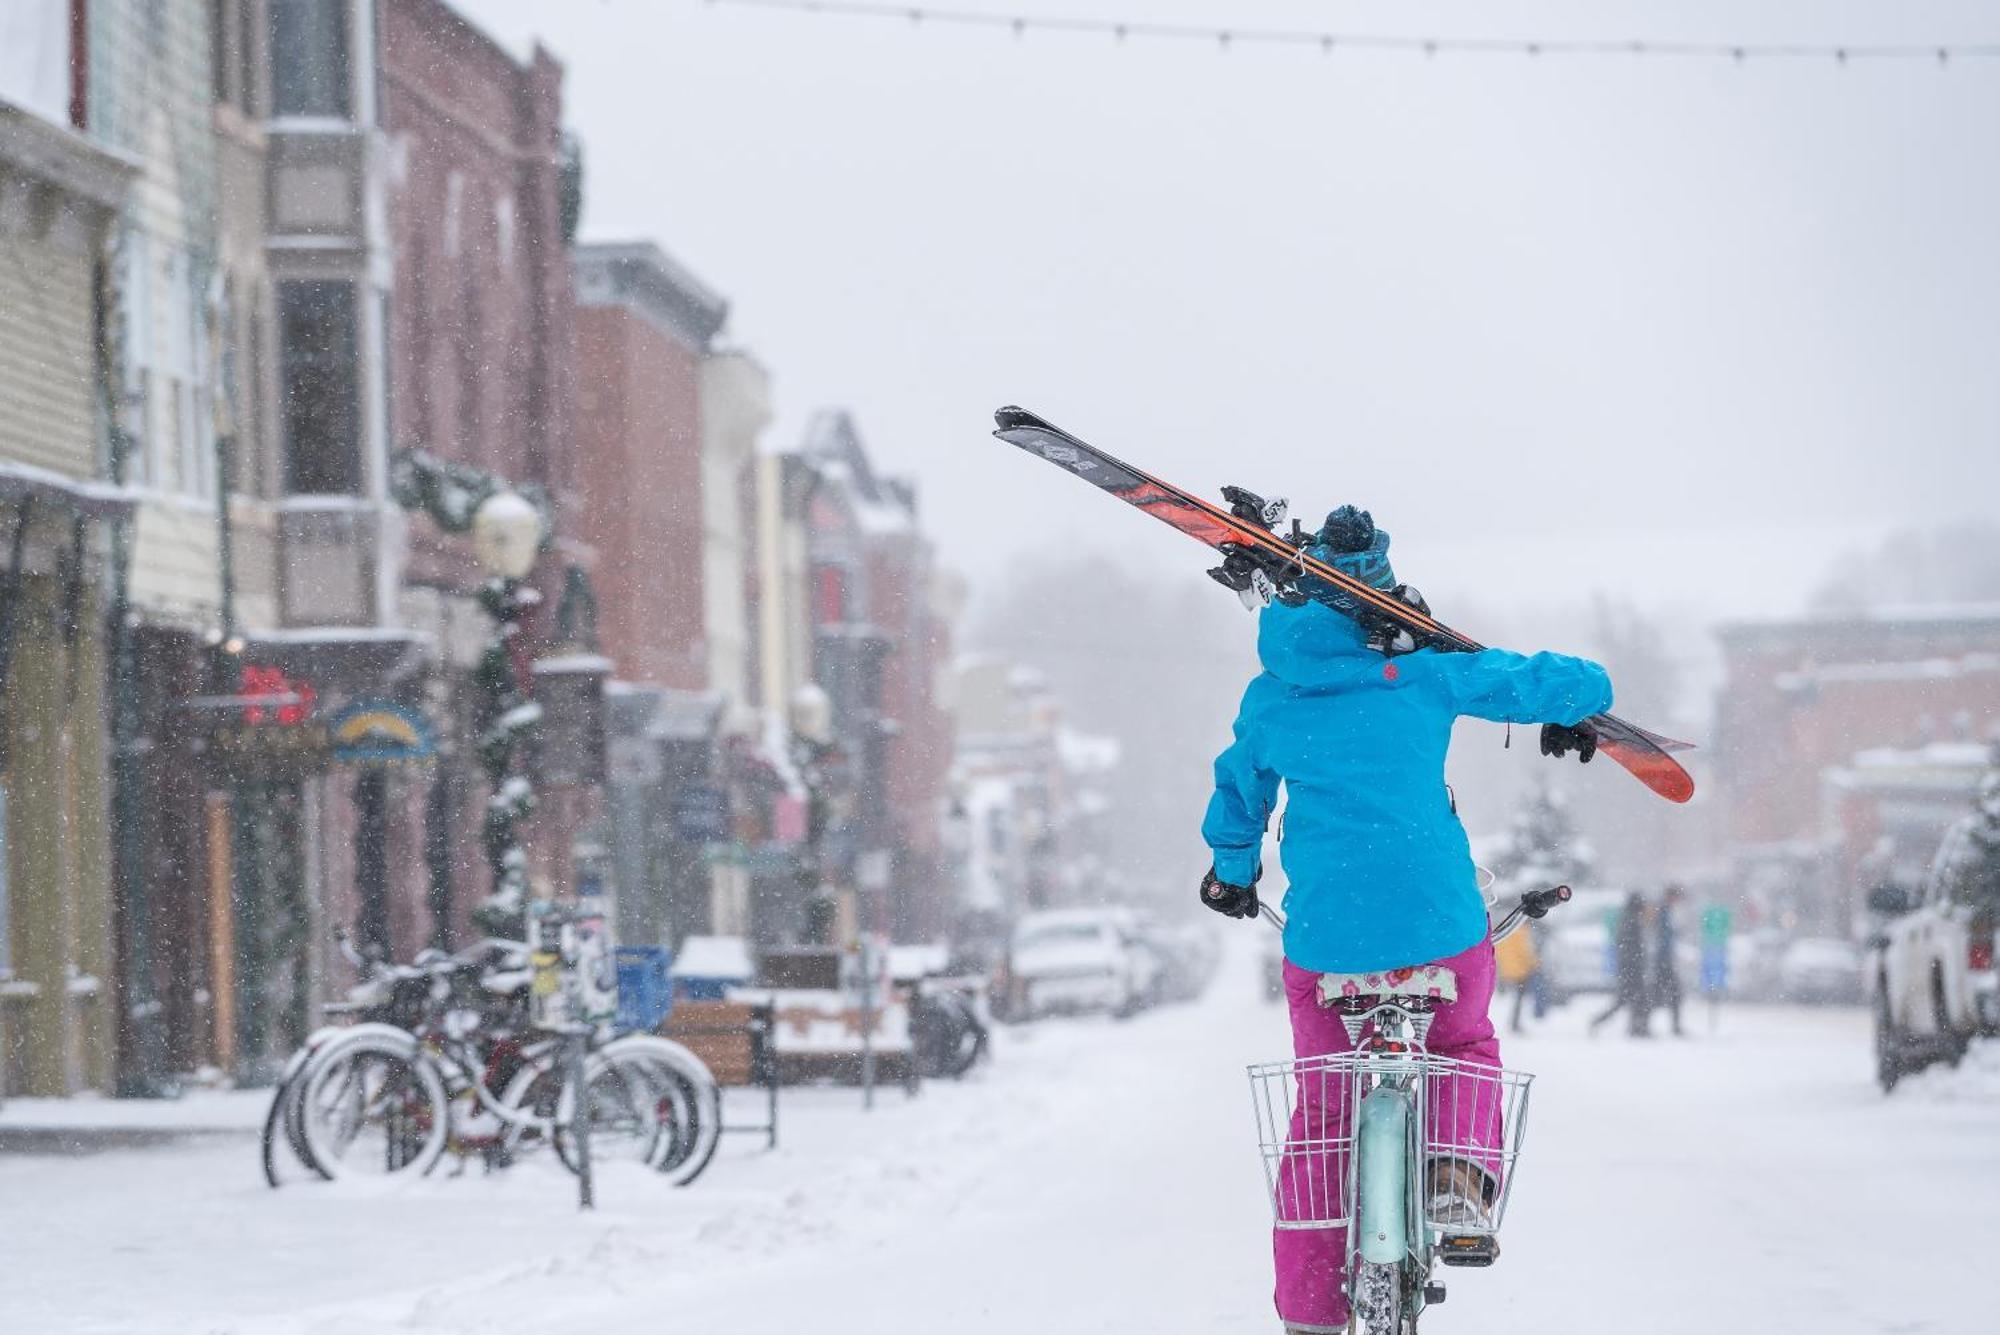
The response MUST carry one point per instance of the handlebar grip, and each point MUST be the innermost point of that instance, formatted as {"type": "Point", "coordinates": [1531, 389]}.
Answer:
{"type": "Point", "coordinates": [1536, 903]}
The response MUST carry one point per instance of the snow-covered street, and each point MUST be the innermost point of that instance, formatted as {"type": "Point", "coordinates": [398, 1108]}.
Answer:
{"type": "Point", "coordinates": [1098, 1177]}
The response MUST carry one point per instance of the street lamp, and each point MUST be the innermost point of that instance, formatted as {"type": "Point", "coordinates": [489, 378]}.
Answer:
{"type": "Point", "coordinates": [506, 536]}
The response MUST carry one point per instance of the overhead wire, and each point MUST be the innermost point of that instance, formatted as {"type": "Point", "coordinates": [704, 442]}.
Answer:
{"type": "Point", "coordinates": [1942, 54]}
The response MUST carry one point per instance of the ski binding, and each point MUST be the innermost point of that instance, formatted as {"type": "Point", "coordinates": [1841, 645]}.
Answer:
{"type": "Point", "coordinates": [1248, 505]}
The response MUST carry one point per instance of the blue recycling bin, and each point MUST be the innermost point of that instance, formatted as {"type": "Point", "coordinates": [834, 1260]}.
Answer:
{"type": "Point", "coordinates": [644, 996]}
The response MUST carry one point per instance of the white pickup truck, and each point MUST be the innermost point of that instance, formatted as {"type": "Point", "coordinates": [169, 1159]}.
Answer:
{"type": "Point", "coordinates": [1935, 985]}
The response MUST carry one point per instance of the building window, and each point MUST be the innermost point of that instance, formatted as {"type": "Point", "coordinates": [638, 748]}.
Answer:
{"type": "Point", "coordinates": [320, 371]}
{"type": "Point", "coordinates": [830, 596]}
{"type": "Point", "coordinates": [309, 74]}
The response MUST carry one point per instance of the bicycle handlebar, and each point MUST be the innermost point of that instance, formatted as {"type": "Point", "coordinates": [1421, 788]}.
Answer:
{"type": "Point", "coordinates": [1534, 904]}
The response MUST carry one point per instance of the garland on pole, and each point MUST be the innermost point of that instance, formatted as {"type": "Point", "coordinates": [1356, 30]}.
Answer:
{"type": "Point", "coordinates": [510, 720]}
{"type": "Point", "coordinates": [1223, 38]}
{"type": "Point", "coordinates": [451, 493]}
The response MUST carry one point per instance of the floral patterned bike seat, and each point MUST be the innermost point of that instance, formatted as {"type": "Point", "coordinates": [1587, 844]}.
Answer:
{"type": "Point", "coordinates": [1424, 982]}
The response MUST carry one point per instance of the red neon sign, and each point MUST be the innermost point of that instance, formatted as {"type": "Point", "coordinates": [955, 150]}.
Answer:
{"type": "Point", "coordinates": [293, 700]}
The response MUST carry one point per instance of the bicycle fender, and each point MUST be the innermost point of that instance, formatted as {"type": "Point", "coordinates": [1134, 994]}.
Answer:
{"type": "Point", "coordinates": [338, 1035]}
{"type": "Point", "coordinates": [661, 1049]}
{"type": "Point", "coordinates": [1381, 1146]}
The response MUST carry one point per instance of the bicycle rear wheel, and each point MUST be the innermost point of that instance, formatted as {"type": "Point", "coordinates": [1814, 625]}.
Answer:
{"type": "Point", "coordinates": [634, 1113]}
{"type": "Point", "coordinates": [1378, 1298]}
{"type": "Point", "coordinates": [373, 1107]}
{"type": "Point", "coordinates": [688, 1102]}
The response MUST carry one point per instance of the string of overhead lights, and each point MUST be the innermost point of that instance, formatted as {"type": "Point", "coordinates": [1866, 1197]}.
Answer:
{"type": "Point", "coordinates": [1224, 38]}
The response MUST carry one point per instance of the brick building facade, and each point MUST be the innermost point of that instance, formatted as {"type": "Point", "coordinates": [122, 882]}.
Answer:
{"type": "Point", "coordinates": [880, 647]}
{"type": "Point", "coordinates": [481, 215]}
{"type": "Point", "coordinates": [1809, 719]}
{"type": "Point", "coordinates": [645, 327]}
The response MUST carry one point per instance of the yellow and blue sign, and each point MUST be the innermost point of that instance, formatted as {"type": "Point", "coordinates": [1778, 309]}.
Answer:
{"type": "Point", "coordinates": [378, 732]}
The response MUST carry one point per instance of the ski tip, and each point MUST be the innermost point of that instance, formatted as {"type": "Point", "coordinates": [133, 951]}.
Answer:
{"type": "Point", "coordinates": [1652, 767]}
{"type": "Point", "coordinates": [1012, 418]}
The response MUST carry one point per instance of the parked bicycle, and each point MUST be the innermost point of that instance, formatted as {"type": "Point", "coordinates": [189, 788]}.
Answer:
{"type": "Point", "coordinates": [440, 1058]}
{"type": "Point", "coordinates": [948, 1032]}
{"type": "Point", "coordinates": [1371, 1141]}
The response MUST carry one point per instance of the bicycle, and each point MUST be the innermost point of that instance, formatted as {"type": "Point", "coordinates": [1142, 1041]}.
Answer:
{"type": "Point", "coordinates": [417, 1078]}
{"type": "Point", "coordinates": [1369, 1140]}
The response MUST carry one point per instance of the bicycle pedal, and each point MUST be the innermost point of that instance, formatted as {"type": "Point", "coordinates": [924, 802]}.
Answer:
{"type": "Point", "coordinates": [1469, 1249]}
{"type": "Point", "coordinates": [1433, 1294]}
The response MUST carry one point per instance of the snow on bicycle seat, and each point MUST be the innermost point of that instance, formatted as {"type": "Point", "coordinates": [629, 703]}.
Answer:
{"type": "Point", "coordinates": [1424, 982]}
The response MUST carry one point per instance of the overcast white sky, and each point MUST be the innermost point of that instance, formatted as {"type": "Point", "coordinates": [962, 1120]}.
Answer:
{"type": "Point", "coordinates": [1658, 327]}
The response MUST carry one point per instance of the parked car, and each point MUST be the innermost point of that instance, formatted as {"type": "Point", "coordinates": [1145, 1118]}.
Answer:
{"type": "Point", "coordinates": [1187, 957]}
{"type": "Point", "coordinates": [1822, 970]}
{"type": "Point", "coordinates": [1076, 960]}
{"type": "Point", "coordinates": [1575, 944]}
{"type": "Point", "coordinates": [1755, 958]}
{"type": "Point", "coordinates": [1933, 970]}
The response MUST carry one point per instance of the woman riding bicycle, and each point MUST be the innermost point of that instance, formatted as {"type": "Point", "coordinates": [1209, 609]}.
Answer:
{"type": "Point", "coordinates": [1381, 875]}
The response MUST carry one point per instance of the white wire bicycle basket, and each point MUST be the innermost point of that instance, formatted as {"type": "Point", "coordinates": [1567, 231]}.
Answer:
{"type": "Point", "coordinates": [1470, 1119]}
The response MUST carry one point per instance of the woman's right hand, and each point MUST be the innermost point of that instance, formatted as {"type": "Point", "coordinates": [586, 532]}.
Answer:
{"type": "Point", "coordinates": [1232, 901]}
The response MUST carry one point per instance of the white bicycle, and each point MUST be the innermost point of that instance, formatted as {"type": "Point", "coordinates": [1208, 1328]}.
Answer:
{"type": "Point", "coordinates": [1412, 1154]}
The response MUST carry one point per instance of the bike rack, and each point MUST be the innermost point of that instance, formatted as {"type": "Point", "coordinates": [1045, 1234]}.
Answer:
{"type": "Point", "coordinates": [762, 1033]}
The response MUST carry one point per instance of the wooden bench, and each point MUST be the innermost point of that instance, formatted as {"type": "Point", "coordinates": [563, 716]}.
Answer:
{"type": "Point", "coordinates": [818, 1035]}
{"type": "Point", "coordinates": [735, 1041]}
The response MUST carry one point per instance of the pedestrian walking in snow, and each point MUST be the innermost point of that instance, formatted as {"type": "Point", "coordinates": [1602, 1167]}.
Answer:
{"type": "Point", "coordinates": [1633, 971]}
{"type": "Point", "coordinates": [1520, 965]}
{"type": "Point", "coordinates": [1381, 875]}
{"type": "Point", "coordinates": [1666, 967]}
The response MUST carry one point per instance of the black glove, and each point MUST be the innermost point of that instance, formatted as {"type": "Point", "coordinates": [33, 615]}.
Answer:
{"type": "Point", "coordinates": [1559, 741]}
{"type": "Point", "coordinates": [1233, 901]}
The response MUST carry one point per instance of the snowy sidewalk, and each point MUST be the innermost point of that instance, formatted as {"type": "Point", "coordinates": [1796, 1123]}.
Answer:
{"type": "Point", "coordinates": [91, 1125]}
{"type": "Point", "coordinates": [1099, 1177]}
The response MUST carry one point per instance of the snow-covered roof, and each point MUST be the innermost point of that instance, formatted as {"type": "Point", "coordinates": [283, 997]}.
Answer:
{"type": "Point", "coordinates": [914, 961]}
{"type": "Point", "coordinates": [685, 716]}
{"type": "Point", "coordinates": [1923, 669]}
{"type": "Point", "coordinates": [1085, 754]}
{"type": "Point", "coordinates": [642, 278]}
{"type": "Point", "coordinates": [33, 139]}
{"type": "Point", "coordinates": [557, 664]}
{"type": "Point", "coordinates": [1931, 614]}
{"type": "Point", "coordinates": [344, 635]}
{"type": "Point", "coordinates": [713, 957]}
{"type": "Point", "coordinates": [1022, 677]}
{"type": "Point", "coordinates": [92, 498]}
{"type": "Point", "coordinates": [883, 507]}
{"type": "Point", "coordinates": [1972, 755]}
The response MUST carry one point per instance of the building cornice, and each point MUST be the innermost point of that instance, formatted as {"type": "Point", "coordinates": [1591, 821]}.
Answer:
{"type": "Point", "coordinates": [642, 278]}
{"type": "Point", "coordinates": [63, 157]}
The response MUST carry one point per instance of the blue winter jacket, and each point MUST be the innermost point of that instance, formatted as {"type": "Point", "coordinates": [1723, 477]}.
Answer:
{"type": "Point", "coordinates": [1381, 875]}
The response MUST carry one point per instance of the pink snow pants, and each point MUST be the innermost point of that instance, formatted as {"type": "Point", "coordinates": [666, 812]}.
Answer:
{"type": "Point", "coordinates": [1312, 1280]}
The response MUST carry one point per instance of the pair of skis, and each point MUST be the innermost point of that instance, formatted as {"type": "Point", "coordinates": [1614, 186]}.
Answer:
{"type": "Point", "coordinates": [1264, 563]}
